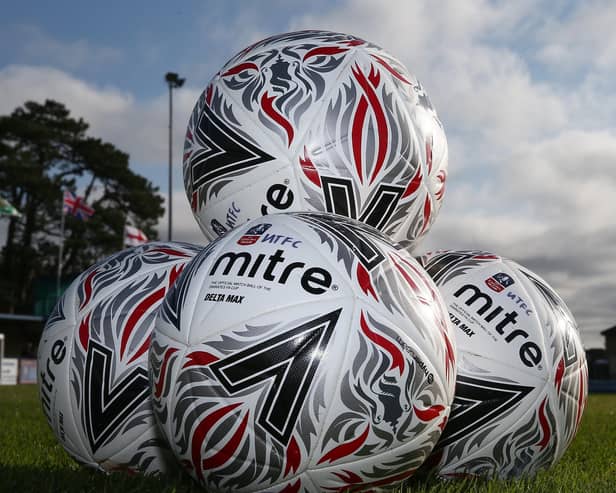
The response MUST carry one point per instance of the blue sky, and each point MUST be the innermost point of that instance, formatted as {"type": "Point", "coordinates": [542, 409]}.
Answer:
{"type": "Point", "coordinates": [524, 90]}
{"type": "Point", "coordinates": [132, 44]}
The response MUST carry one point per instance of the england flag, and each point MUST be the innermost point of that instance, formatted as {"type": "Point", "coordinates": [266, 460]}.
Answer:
{"type": "Point", "coordinates": [134, 236]}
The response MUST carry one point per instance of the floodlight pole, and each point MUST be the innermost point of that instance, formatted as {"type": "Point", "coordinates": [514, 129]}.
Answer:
{"type": "Point", "coordinates": [174, 82]}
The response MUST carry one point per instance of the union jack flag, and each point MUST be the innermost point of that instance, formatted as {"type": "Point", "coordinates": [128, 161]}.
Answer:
{"type": "Point", "coordinates": [76, 206]}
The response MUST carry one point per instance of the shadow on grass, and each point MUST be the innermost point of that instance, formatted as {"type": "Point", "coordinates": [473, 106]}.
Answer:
{"type": "Point", "coordinates": [83, 480]}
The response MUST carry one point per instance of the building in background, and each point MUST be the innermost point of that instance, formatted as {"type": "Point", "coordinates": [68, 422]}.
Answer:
{"type": "Point", "coordinates": [23, 331]}
{"type": "Point", "coordinates": [610, 350]}
{"type": "Point", "coordinates": [598, 366]}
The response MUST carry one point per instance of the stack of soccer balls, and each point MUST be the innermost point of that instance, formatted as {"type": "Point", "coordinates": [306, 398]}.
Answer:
{"type": "Point", "coordinates": [305, 348]}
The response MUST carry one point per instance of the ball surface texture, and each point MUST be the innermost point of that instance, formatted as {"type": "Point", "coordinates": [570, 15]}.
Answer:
{"type": "Point", "coordinates": [522, 375]}
{"type": "Point", "coordinates": [93, 354]}
{"type": "Point", "coordinates": [315, 121]}
{"type": "Point", "coordinates": [302, 352]}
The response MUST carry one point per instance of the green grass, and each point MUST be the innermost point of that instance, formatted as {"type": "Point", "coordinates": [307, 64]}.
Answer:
{"type": "Point", "coordinates": [32, 460]}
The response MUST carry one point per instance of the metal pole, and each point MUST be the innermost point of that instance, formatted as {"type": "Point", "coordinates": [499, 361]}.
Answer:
{"type": "Point", "coordinates": [1, 354]}
{"type": "Point", "coordinates": [174, 81]}
{"type": "Point", "coordinates": [169, 198]}
{"type": "Point", "coordinates": [60, 251]}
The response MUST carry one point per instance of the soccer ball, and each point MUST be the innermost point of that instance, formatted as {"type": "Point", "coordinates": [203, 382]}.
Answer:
{"type": "Point", "coordinates": [522, 375]}
{"type": "Point", "coordinates": [315, 121]}
{"type": "Point", "coordinates": [302, 352]}
{"type": "Point", "coordinates": [93, 379]}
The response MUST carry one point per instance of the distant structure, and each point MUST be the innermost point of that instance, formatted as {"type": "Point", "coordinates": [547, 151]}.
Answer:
{"type": "Point", "coordinates": [598, 367]}
{"type": "Point", "coordinates": [610, 349]}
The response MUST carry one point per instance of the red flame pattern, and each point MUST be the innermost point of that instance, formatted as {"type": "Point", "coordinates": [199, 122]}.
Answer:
{"type": "Point", "coordinates": [345, 449]}
{"type": "Point", "coordinates": [309, 168]}
{"type": "Point", "coordinates": [397, 358]}
{"type": "Point", "coordinates": [200, 433]}
{"type": "Point", "coordinates": [267, 103]}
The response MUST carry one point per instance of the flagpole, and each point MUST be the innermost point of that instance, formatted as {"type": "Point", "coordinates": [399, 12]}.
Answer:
{"type": "Point", "coordinates": [60, 251]}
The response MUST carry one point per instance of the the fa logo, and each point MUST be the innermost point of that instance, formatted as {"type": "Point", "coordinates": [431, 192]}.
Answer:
{"type": "Point", "coordinates": [499, 281]}
{"type": "Point", "coordinates": [253, 234]}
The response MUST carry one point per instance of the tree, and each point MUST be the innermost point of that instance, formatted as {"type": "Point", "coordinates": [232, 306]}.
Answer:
{"type": "Point", "coordinates": [43, 151]}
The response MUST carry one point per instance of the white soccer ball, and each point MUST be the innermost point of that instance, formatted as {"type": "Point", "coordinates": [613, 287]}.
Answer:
{"type": "Point", "coordinates": [92, 359]}
{"type": "Point", "coordinates": [302, 352]}
{"type": "Point", "coordinates": [315, 121]}
{"type": "Point", "coordinates": [522, 375]}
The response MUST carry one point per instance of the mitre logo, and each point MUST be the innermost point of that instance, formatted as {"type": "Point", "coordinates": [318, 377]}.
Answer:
{"type": "Point", "coordinates": [48, 375]}
{"type": "Point", "coordinates": [506, 324]}
{"type": "Point", "coordinates": [274, 268]}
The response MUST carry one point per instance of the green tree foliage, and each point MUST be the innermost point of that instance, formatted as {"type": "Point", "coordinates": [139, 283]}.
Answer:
{"type": "Point", "coordinates": [43, 151]}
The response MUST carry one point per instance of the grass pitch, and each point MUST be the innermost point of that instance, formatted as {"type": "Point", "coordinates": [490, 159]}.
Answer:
{"type": "Point", "coordinates": [32, 460]}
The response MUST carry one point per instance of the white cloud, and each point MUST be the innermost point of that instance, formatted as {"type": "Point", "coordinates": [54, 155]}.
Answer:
{"type": "Point", "coordinates": [184, 226]}
{"type": "Point", "coordinates": [570, 178]}
{"type": "Point", "coordinates": [583, 38]}
{"type": "Point", "coordinates": [19, 83]}
{"type": "Point", "coordinates": [139, 128]}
